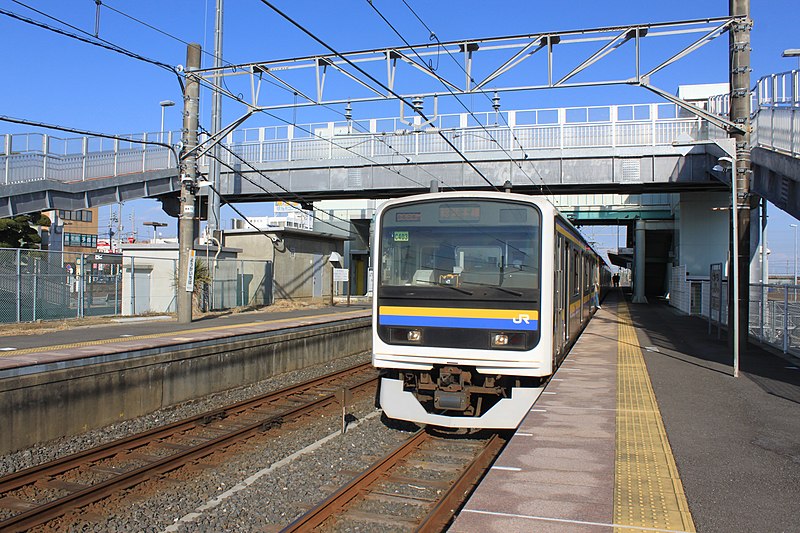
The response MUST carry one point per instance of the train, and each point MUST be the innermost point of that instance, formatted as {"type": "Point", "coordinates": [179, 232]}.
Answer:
{"type": "Point", "coordinates": [477, 298]}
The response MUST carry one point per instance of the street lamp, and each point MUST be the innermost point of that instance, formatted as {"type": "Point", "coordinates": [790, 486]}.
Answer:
{"type": "Point", "coordinates": [728, 163]}
{"type": "Point", "coordinates": [795, 251]}
{"type": "Point", "coordinates": [155, 225]}
{"type": "Point", "coordinates": [164, 104]}
{"type": "Point", "coordinates": [792, 52]}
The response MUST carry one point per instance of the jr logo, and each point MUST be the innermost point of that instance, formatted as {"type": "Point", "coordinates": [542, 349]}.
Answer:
{"type": "Point", "coordinates": [521, 318]}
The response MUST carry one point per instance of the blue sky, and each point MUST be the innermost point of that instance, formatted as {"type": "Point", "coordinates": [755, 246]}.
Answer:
{"type": "Point", "coordinates": [51, 78]}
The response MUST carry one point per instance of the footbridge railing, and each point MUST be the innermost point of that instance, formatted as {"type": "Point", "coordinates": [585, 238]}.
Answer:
{"type": "Point", "coordinates": [33, 157]}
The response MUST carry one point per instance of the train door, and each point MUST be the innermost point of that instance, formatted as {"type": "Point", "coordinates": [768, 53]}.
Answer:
{"type": "Point", "coordinates": [559, 295]}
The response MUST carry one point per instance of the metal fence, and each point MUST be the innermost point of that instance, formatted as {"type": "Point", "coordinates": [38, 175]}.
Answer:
{"type": "Point", "coordinates": [774, 309]}
{"type": "Point", "coordinates": [42, 285]}
{"type": "Point", "coordinates": [32, 157]}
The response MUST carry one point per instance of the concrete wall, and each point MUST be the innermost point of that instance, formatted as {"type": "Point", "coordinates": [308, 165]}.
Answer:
{"type": "Point", "coordinates": [301, 270]}
{"type": "Point", "coordinates": [43, 406]}
{"type": "Point", "coordinates": [702, 232]}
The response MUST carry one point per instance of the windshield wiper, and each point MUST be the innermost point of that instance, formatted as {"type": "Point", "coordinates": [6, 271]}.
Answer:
{"type": "Point", "coordinates": [498, 287]}
{"type": "Point", "coordinates": [458, 289]}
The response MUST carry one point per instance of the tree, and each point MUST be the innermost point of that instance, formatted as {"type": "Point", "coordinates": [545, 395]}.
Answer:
{"type": "Point", "coordinates": [17, 232]}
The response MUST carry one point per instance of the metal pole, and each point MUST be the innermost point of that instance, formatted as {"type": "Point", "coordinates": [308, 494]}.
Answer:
{"type": "Point", "coordinates": [795, 252]}
{"type": "Point", "coordinates": [19, 285]}
{"type": "Point", "coordinates": [785, 319]}
{"type": "Point", "coordinates": [161, 131]}
{"type": "Point", "coordinates": [188, 183]}
{"type": "Point", "coordinates": [35, 284]}
{"type": "Point", "coordinates": [740, 67]}
{"type": "Point", "coordinates": [133, 286]}
{"type": "Point", "coordinates": [216, 125]}
{"type": "Point", "coordinates": [735, 269]}
{"type": "Point", "coordinates": [7, 170]}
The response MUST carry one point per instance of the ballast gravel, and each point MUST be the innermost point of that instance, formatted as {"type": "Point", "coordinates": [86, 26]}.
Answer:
{"type": "Point", "coordinates": [261, 485]}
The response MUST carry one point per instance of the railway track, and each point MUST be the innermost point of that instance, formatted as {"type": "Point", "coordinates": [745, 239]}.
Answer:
{"type": "Point", "coordinates": [416, 487]}
{"type": "Point", "coordinates": [42, 493]}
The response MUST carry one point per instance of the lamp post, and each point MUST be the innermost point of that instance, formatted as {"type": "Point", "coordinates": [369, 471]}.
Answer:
{"type": "Point", "coordinates": [792, 52]}
{"type": "Point", "coordinates": [155, 225]}
{"type": "Point", "coordinates": [164, 104]}
{"type": "Point", "coordinates": [728, 163]}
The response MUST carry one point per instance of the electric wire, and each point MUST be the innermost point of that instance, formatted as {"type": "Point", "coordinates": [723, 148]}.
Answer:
{"type": "Point", "coordinates": [379, 138]}
{"type": "Point", "coordinates": [294, 195]}
{"type": "Point", "coordinates": [94, 41]}
{"type": "Point", "coordinates": [212, 86]}
{"type": "Point", "coordinates": [111, 46]}
{"type": "Point", "coordinates": [205, 82]}
{"type": "Point", "coordinates": [433, 36]}
{"type": "Point", "coordinates": [382, 85]}
{"type": "Point", "coordinates": [25, 122]}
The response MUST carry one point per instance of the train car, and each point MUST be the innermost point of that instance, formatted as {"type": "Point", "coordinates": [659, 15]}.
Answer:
{"type": "Point", "coordinates": [477, 299]}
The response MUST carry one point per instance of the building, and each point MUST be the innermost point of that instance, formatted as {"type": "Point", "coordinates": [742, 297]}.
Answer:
{"type": "Point", "coordinates": [300, 259]}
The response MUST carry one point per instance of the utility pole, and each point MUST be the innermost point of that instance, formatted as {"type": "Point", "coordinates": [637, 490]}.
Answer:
{"type": "Point", "coordinates": [216, 125]}
{"type": "Point", "coordinates": [740, 114]}
{"type": "Point", "coordinates": [188, 169]}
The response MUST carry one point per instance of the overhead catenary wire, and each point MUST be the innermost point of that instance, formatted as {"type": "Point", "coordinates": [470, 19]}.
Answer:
{"type": "Point", "coordinates": [434, 37]}
{"type": "Point", "coordinates": [57, 127]}
{"type": "Point", "coordinates": [211, 85]}
{"type": "Point", "coordinates": [382, 85]}
{"type": "Point", "coordinates": [111, 46]}
{"type": "Point", "coordinates": [94, 41]}
{"type": "Point", "coordinates": [295, 196]}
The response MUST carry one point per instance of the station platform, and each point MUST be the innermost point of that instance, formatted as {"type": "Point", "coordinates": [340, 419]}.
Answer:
{"type": "Point", "coordinates": [644, 428]}
{"type": "Point", "coordinates": [56, 348]}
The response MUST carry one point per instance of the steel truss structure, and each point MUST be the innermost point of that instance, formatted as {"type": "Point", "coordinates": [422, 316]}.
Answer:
{"type": "Point", "coordinates": [517, 50]}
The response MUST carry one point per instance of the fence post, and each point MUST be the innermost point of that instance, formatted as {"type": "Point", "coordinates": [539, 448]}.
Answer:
{"type": "Point", "coordinates": [144, 152]}
{"type": "Point", "coordinates": [117, 274]}
{"type": "Point", "coordinates": [7, 170]}
{"type": "Point", "coordinates": [35, 284]}
{"type": "Point", "coordinates": [82, 287]}
{"type": "Point", "coordinates": [169, 151]}
{"type": "Point", "coordinates": [786, 319]}
{"type": "Point", "coordinates": [19, 285]}
{"type": "Point", "coordinates": [116, 157]}
{"type": "Point", "coordinates": [763, 303]}
{"type": "Point", "coordinates": [45, 151]}
{"type": "Point", "coordinates": [133, 287]}
{"type": "Point", "coordinates": [85, 157]}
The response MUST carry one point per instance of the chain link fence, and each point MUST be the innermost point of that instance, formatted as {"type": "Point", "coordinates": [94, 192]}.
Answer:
{"type": "Point", "coordinates": [41, 285]}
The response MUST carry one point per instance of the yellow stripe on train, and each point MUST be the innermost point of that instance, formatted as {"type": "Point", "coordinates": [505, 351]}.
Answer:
{"type": "Point", "coordinates": [456, 312]}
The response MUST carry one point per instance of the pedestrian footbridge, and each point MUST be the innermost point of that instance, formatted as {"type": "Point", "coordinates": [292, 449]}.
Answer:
{"type": "Point", "coordinates": [641, 148]}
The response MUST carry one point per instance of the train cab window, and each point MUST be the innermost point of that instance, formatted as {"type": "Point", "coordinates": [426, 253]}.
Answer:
{"type": "Point", "coordinates": [484, 244]}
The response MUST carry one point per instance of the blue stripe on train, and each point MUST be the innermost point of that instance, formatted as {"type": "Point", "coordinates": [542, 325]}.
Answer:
{"type": "Point", "coordinates": [502, 324]}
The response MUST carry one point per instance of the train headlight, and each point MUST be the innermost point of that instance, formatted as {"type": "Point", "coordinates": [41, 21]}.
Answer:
{"type": "Point", "coordinates": [414, 335]}
{"type": "Point", "coordinates": [500, 339]}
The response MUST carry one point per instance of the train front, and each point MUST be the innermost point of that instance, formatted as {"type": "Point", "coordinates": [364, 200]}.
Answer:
{"type": "Point", "coordinates": [456, 323]}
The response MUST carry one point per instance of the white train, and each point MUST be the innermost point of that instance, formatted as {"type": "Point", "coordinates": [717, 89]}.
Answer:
{"type": "Point", "coordinates": [477, 298]}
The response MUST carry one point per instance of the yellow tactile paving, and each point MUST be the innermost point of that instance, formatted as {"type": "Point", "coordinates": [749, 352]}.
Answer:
{"type": "Point", "coordinates": [99, 342]}
{"type": "Point", "coordinates": [648, 492]}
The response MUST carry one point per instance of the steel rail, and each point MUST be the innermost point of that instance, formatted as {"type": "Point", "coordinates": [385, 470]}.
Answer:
{"type": "Point", "coordinates": [322, 512]}
{"type": "Point", "coordinates": [24, 477]}
{"type": "Point", "coordinates": [54, 509]}
{"type": "Point", "coordinates": [442, 511]}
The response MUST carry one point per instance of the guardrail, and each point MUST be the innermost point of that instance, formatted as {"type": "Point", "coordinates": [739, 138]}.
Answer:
{"type": "Point", "coordinates": [32, 157]}
{"type": "Point", "coordinates": [775, 105]}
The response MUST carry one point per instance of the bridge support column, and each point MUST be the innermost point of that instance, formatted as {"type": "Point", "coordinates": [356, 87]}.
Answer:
{"type": "Point", "coordinates": [639, 264]}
